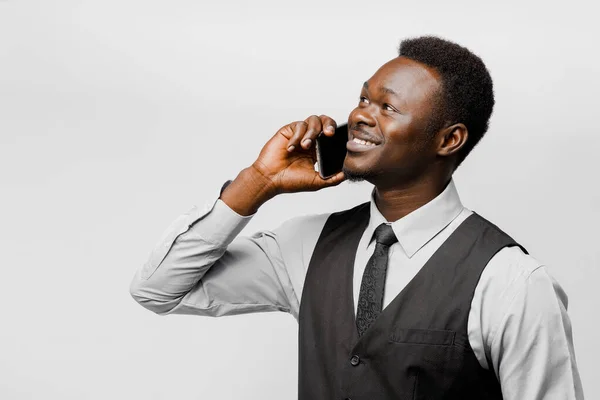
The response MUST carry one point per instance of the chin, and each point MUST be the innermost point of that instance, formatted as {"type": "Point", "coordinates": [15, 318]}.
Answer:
{"type": "Point", "coordinates": [353, 175]}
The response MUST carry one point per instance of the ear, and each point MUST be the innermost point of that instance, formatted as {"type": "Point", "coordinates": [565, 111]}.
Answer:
{"type": "Point", "coordinates": [452, 139]}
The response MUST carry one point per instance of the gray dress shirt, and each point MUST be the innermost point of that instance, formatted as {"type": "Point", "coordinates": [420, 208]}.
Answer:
{"type": "Point", "coordinates": [518, 323]}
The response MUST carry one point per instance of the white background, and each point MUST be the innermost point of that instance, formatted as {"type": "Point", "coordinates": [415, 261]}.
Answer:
{"type": "Point", "coordinates": [116, 116]}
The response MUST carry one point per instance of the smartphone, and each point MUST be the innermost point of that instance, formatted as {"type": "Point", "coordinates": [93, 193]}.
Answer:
{"type": "Point", "coordinates": [331, 151]}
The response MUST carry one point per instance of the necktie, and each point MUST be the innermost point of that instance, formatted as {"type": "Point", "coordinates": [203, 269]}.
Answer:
{"type": "Point", "coordinates": [370, 299]}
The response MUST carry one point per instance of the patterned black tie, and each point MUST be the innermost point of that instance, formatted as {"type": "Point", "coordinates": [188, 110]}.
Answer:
{"type": "Point", "coordinates": [370, 299]}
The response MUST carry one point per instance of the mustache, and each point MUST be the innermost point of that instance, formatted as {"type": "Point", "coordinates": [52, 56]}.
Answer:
{"type": "Point", "coordinates": [365, 134]}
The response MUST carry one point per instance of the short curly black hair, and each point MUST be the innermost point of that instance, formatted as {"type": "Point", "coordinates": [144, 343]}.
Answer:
{"type": "Point", "coordinates": [467, 93]}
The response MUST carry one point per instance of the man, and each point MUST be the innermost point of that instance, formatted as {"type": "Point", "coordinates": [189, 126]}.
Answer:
{"type": "Point", "coordinates": [409, 296]}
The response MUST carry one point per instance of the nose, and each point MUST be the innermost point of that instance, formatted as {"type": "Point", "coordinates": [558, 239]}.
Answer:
{"type": "Point", "coordinates": [362, 116]}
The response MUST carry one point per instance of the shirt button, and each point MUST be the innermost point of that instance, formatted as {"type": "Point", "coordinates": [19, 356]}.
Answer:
{"type": "Point", "coordinates": [355, 360]}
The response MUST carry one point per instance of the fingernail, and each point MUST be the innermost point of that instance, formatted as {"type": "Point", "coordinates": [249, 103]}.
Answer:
{"type": "Point", "coordinates": [291, 148]}
{"type": "Point", "coordinates": [307, 142]}
{"type": "Point", "coordinates": [329, 128]}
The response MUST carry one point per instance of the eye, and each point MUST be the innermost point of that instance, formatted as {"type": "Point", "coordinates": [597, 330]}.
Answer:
{"type": "Point", "coordinates": [388, 107]}
{"type": "Point", "coordinates": [363, 99]}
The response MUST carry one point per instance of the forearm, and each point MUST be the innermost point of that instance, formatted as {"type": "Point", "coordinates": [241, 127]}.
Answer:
{"type": "Point", "coordinates": [191, 245]}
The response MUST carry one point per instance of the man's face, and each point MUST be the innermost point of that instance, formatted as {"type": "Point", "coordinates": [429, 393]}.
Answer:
{"type": "Point", "coordinates": [393, 116]}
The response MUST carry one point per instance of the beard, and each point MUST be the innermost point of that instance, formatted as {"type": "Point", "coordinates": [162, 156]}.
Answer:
{"type": "Point", "coordinates": [357, 176]}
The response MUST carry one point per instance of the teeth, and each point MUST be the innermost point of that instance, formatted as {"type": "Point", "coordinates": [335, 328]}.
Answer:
{"type": "Point", "coordinates": [363, 142]}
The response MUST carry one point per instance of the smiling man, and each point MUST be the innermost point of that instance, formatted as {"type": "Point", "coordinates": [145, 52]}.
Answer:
{"type": "Point", "coordinates": [407, 296]}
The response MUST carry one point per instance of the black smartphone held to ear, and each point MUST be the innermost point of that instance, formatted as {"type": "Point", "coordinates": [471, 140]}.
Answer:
{"type": "Point", "coordinates": [331, 151]}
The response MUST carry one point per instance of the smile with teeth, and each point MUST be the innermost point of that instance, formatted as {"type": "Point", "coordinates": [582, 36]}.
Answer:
{"type": "Point", "coordinates": [363, 142]}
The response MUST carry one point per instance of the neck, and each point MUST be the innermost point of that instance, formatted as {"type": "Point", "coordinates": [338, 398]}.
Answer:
{"type": "Point", "coordinates": [397, 202]}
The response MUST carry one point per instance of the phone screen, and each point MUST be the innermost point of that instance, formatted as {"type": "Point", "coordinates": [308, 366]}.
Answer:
{"type": "Point", "coordinates": [331, 151]}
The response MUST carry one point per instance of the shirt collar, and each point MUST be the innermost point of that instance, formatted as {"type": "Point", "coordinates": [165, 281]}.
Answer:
{"type": "Point", "coordinates": [420, 226]}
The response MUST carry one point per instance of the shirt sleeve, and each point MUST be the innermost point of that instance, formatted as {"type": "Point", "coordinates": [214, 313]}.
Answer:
{"type": "Point", "coordinates": [526, 331]}
{"type": "Point", "coordinates": [202, 267]}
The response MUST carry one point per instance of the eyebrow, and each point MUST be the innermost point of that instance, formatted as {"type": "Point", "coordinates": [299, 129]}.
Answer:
{"type": "Point", "coordinates": [383, 89]}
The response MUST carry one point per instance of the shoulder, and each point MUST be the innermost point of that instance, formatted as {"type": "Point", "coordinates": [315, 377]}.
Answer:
{"type": "Point", "coordinates": [515, 294]}
{"type": "Point", "coordinates": [298, 236]}
{"type": "Point", "coordinates": [302, 224]}
{"type": "Point", "coordinates": [505, 275]}
{"type": "Point", "coordinates": [508, 276]}
{"type": "Point", "coordinates": [514, 285]}
{"type": "Point", "coordinates": [526, 278]}
{"type": "Point", "coordinates": [305, 230]}
{"type": "Point", "coordinates": [512, 263]}
{"type": "Point", "coordinates": [510, 266]}
{"type": "Point", "coordinates": [312, 224]}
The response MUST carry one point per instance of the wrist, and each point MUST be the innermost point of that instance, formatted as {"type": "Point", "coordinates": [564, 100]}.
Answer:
{"type": "Point", "coordinates": [248, 191]}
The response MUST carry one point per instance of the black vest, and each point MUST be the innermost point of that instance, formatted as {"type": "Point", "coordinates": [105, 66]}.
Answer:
{"type": "Point", "coordinates": [418, 348]}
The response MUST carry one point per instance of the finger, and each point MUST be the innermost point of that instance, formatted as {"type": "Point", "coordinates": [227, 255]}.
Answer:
{"type": "Point", "coordinates": [328, 124]}
{"type": "Point", "coordinates": [313, 130]}
{"type": "Point", "coordinates": [298, 129]}
{"type": "Point", "coordinates": [313, 154]}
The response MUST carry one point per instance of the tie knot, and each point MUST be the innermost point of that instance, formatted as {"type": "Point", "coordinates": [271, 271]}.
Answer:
{"type": "Point", "coordinates": [385, 235]}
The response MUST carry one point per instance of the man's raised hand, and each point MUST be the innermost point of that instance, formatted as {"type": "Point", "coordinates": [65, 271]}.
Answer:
{"type": "Point", "coordinates": [284, 165]}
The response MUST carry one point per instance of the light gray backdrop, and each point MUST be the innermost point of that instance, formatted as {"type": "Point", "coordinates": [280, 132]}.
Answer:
{"type": "Point", "coordinates": [116, 116]}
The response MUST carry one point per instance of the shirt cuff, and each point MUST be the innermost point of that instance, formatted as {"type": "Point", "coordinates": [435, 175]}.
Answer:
{"type": "Point", "coordinates": [221, 225]}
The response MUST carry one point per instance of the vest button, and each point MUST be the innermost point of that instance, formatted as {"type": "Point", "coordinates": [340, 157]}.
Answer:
{"type": "Point", "coordinates": [355, 360]}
